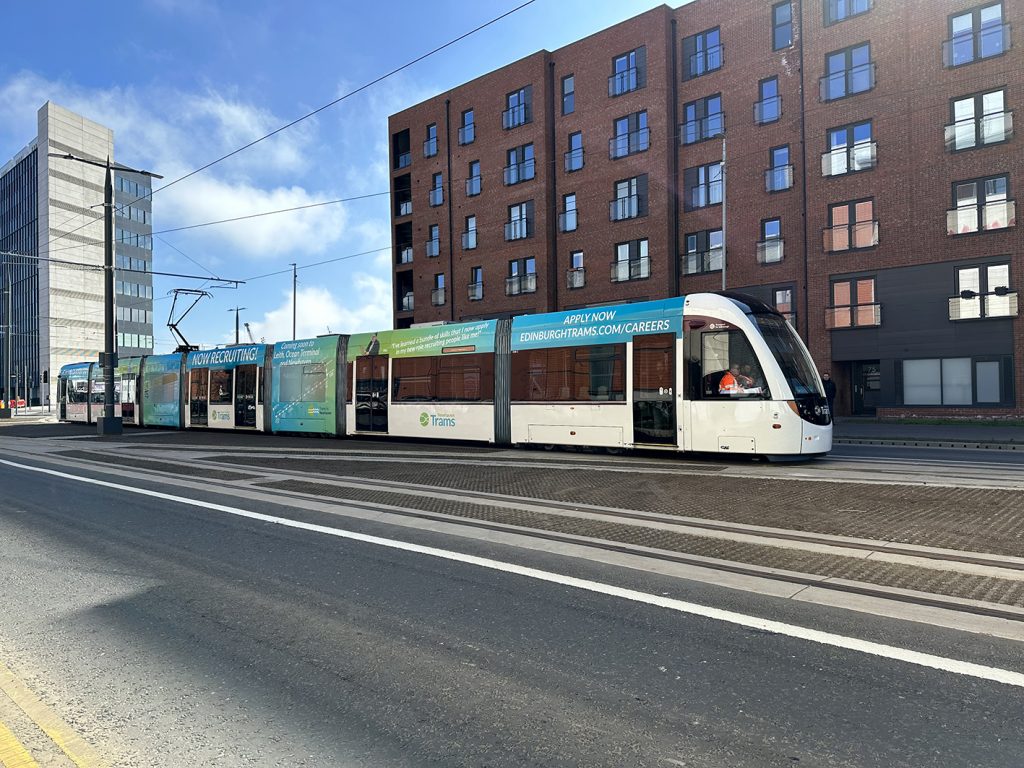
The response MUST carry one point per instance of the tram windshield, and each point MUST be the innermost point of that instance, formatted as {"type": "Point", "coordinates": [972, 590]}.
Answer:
{"type": "Point", "coordinates": [790, 354]}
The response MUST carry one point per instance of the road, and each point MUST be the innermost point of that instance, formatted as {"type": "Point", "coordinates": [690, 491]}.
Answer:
{"type": "Point", "coordinates": [171, 634]}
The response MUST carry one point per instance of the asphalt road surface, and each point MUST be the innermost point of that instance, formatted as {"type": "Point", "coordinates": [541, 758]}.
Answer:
{"type": "Point", "coordinates": [169, 634]}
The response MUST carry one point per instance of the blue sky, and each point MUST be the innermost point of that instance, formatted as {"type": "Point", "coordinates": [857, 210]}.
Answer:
{"type": "Point", "coordinates": [183, 82]}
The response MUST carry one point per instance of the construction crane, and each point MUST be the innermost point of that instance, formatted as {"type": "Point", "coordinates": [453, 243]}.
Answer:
{"type": "Point", "coordinates": [248, 330]}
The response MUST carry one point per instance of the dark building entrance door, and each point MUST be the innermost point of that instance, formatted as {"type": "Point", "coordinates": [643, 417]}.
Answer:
{"type": "Point", "coordinates": [372, 393]}
{"type": "Point", "coordinates": [867, 387]}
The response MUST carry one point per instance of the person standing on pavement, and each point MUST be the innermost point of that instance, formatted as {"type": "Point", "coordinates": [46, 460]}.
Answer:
{"type": "Point", "coordinates": [830, 392]}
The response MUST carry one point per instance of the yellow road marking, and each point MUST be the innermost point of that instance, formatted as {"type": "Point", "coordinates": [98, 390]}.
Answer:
{"type": "Point", "coordinates": [12, 753]}
{"type": "Point", "coordinates": [59, 732]}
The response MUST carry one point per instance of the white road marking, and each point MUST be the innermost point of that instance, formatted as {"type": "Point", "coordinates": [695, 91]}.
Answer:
{"type": "Point", "coordinates": [970, 669]}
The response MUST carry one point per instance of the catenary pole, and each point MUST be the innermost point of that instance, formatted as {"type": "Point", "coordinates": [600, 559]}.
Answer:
{"type": "Point", "coordinates": [295, 298]}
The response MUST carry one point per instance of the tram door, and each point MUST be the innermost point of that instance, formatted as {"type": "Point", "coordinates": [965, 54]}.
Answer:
{"type": "Point", "coordinates": [198, 397]}
{"type": "Point", "coordinates": [372, 393]}
{"type": "Point", "coordinates": [128, 384]}
{"type": "Point", "coordinates": [62, 398]}
{"type": "Point", "coordinates": [245, 396]}
{"type": "Point", "coordinates": [654, 389]}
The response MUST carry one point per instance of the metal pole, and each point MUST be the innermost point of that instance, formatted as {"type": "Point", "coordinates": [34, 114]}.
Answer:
{"type": "Point", "coordinates": [108, 424]}
{"type": "Point", "coordinates": [723, 213]}
{"type": "Point", "coordinates": [295, 298]}
{"type": "Point", "coordinates": [236, 310]}
{"type": "Point", "coordinates": [7, 341]}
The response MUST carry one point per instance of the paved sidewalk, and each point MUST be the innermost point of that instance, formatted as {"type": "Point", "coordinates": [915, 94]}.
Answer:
{"type": "Point", "coordinates": [853, 429]}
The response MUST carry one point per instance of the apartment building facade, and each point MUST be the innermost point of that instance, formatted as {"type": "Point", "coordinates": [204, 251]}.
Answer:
{"type": "Point", "coordinates": [868, 180]}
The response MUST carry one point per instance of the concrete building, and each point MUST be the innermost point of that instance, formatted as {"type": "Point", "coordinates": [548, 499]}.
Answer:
{"type": "Point", "coordinates": [870, 156]}
{"type": "Point", "coordinates": [51, 212]}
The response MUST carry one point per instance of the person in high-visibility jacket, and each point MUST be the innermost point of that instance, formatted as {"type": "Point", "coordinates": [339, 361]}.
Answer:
{"type": "Point", "coordinates": [730, 383]}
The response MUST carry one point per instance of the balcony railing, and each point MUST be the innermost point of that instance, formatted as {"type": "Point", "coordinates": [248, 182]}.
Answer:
{"type": "Point", "coordinates": [770, 251]}
{"type": "Point", "coordinates": [779, 178]}
{"type": "Point", "coordinates": [702, 261]}
{"type": "Point", "coordinates": [513, 117]}
{"type": "Point", "coordinates": [404, 160]}
{"type": "Point", "coordinates": [768, 110]}
{"type": "Point", "coordinates": [1000, 303]}
{"type": "Point", "coordinates": [633, 269]}
{"type": "Point", "coordinates": [518, 284]}
{"type": "Point", "coordinates": [517, 229]}
{"type": "Point", "coordinates": [627, 143]}
{"type": "Point", "coordinates": [848, 237]}
{"type": "Point", "coordinates": [437, 297]}
{"type": "Point", "coordinates": [573, 160]}
{"type": "Point", "coordinates": [998, 215]}
{"type": "Point", "coordinates": [848, 82]}
{"type": "Point", "coordinates": [980, 44]}
{"type": "Point", "coordinates": [467, 133]}
{"type": "Point", "coordinates": [473, 186]}
{"type": "Point", "coordinates": [703, 195]}
{"type": "Point", "coordinates": [859, 157]}
{"type": "Point", "coordinates": [706, 61]}
{"type": "Point", "coordinates": [408, 302]}
{"type": "Point", "coordinates": [433, 247]}
{"type": "Point", "coordinates": [576, 278]}
{"type": "Point", "coordinates": [623, 82]}
{"type": "Point", "coordinates": [518, 172]}
{"type": "Point", "coordinates": [404, 207]}
{"type": "Point", "coordinates": [974, 132]}
{"type": "Point", "coordinates": [624, 208]}
{"type": "Point", "coordinates": [853, 316]}
{"type": "Point", "coordinates": [436, 196]}
{"type": "Point", "coordinates": [469, 240]}
{"type": "Point", "coordinates": [405, 254]}
{"type": "Point", "coordinates": [708, 127]}
{"type": "Point", "coordinates": [476, 291]}
{"type": "Point", "coordinates": [430, 147]}
{"type": "Point", "coordinates": [568, 221]}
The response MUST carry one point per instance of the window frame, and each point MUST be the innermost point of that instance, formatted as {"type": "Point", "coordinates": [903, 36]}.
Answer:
{"type": "Point", "coordinates": [855, 303]}
{"type": "Point", "coordinates": [569, 97]}
{"type": "Point", "coordinates": [702, 119]}
{"type": "Point", "coordinates": [830, 19]}
{"type": "Point", "coordinates": [691, 42]}
{"type": "Point", "coordinates": [851, 223]}
{"type": "Point", "coordinates": [847, 70]}
{"type": "Point", "coordinates": [777, 25]}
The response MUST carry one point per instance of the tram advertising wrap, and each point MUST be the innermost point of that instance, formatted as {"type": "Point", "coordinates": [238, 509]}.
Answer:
{"type": "Point", "coordinates": [598, 325]}
{"type": "Point", "coordinates": [304, 385]}
{"type": "Point", "coordinates": [161, 391]}
{"type": "Point", "coordinates": [463, 338]}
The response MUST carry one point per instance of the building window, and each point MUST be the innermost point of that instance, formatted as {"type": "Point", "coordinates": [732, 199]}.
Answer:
{"type": "Point", "coordinates": [983, 291]}
{"type": "Point", "coordinates": [939, 382]}
{"type": "Point", "coordinates": [702, 53]}
{"type": "Point", "coordinates": [522, 276]}
{"type": "Point", "coordinates": [981, 205]}
{"type": "Point", "coordinates": [779, 176]}
{"type": "Point", "coordinates": [630, 199]}
{"type": "Point", "coordinates": [703, 186]}
{"type": "Point", "coordinates": [853, 304]}
{"type": "Point", "coordinates": [703, 119]}
{"type": "Point", "coordinates": [473, 183]}
{"type": "Point", "coordinates": [631, 135]}
{"type": "Point", "coordinates": [567, 219]}
{"type": "Point", "coordinates": [467, 132]}
{"type": "Point", "coordinates": [852, 226]}
{"type": "Point", "coordinates": [519, 108]}
{"type": "Point", "coordinates": [520, 221]}
{"type": "Point", "coordinates": [437, 292]}
{"type": "Point", "coordinates": [469, 236]}
{"type": "Point", "coordinates": [782, 25]}
{"type": "Point", "coordinates": [848, 72]}
{"type": "Point", "coordinates": [568, 94]}
{"type": "Point", "coordinates": [576, 276]}
{"type": "Point", "coordinates": [430, 145]}
{"type": "Point", "coordinates": [703, 252]}
{"type": "Point", "coordinates": [520, 165]}
{"type": "Point", "coordinates": [850, 149]}
{"type": "Point", "coordinates": [837, 10]}
{"type": "Point", "coordinates": [770, 246]}
{"type": "Point", "coordinates": [434, 241]}
{"type": "Point", "coordinates": [768, 108]}
{"type": "Point", "coordinates": [978, 121]}
{"type": "Point", "coordinates": [976, 34]}
{"type": "Point", "coordinates": [476, 283]}
{"type": "Point", "coordinates": [574, 157]}
{"type": "Point", "coordinates": [629, 72]}
{"type": "Point", "coordinates": [436, 190]}
{"type": "Point", "coordinates": [782, 300]}
{"type": "Point", "coordinates": [631, 261]}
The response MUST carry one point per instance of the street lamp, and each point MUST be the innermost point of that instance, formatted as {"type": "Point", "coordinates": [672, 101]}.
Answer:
{"type": "Point", "coordinates": [108, 423]}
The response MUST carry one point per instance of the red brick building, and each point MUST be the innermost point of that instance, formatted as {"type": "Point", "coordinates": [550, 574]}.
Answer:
{"type": "Point", "coordinates": [868, 184]}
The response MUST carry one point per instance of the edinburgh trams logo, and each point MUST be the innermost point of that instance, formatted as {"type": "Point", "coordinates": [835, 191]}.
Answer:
{"type": "Point", "coordinates": [434, 420]}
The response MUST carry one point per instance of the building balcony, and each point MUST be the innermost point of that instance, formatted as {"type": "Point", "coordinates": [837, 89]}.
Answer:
{"type": "Point", "coordinates": [519, 172]}
{"type": "Point", "coordinates": [476, 291]}
{"type": "Point", "coordinates": [436, 197]}
{"type": "Point", "coordinates": [573, 160]}
{"type": "Point", "coordinates": [518, 229]}
{"type": "Point", "coordinates": [768, 110]}
{"type": "Point", "coordinates": [770, 251]}
{"type": "Point", "coordinates": [622, 208]}
{"type": "Point", "coordinates": [629, 143]}
{"type": "Point", "coordinates": [568, 221]}
{"type": "Point", "coordinates": [706, 128]}
{"type": "Point", "coordinates": [1002, 302]}
{"type": "Point", "coordinates": [847, 82]}
{"type": "Point", "coordinates": [513, 117]}
{"type": "Point", "coordinates": [430, 147]}
{"type": "Point", "coordinates": [405, 254]}
{"type": "Point", "coordinates": [437, 297]}
{"type": "Point", "coordinates": [576, 278]}
{"type": "Point", "coordinates": [404, 207]}
{"type": "Point", "coordinates": [633, 269]}
{"type": "Point", "coordinates": [849, 237]}
{"type": "Point", "coordinates": [778, 179]}
{"type": "Point", "coordinates": [473, 185]}
{"type": "Point", "coordinates": [842, 160]}
{"type": "Point", "coordinates": [433, 248]}
{"type": "Point", "coordinates": [469, 240]}
{"type": "Point", "coordinates": [853, 316]}
{"type": "Point", "coordinates": [974, 132]}
{"type": "Point", "coordinates": [981, 218]}
{"type": "Point", "coordinates": [404, 160]}
{"type": "Point", "coordinates": [467, 133]}
{"type": "Point", "coordinates": [706, 61]}
{"type": "Point", "coordinates": [518, 284]}
{"type": "Point", "coordinates": [408, 302]}
{"type": "Point", "coordinates": [623, 82]}
{"type": "Point", "coordinates": [972, 46]}
{"type": "Point", "coordinates": [700, 262]}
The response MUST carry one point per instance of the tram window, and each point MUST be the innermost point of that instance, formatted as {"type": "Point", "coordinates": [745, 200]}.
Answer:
{"type": "Point", "coordinates": [77, 392]}
{"type": "Point", "coordinates": [570, 374]}
{"type": "Point", "coordinates": [259, 385]}
{"type": "Point", "coordinates": [303, 382]}
{"type": "Point", "coordinates": [198, 385]}
{"type": "Point", "coordinates": [220, 387]}
{"type": "Point", "coordinates": [413, 380]}
{"type": "Point", "coordinates": [466, 378]}
{"type": "Point", "coordinates": [729, 368]}
{"type": "Point", "coordinates": [164, 389]}
{"type": "Point", "coordinates": [351, 382]}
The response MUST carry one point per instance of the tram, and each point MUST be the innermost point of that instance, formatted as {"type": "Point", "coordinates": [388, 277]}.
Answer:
{"type": "Point", "coordinates": [709, 373]}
